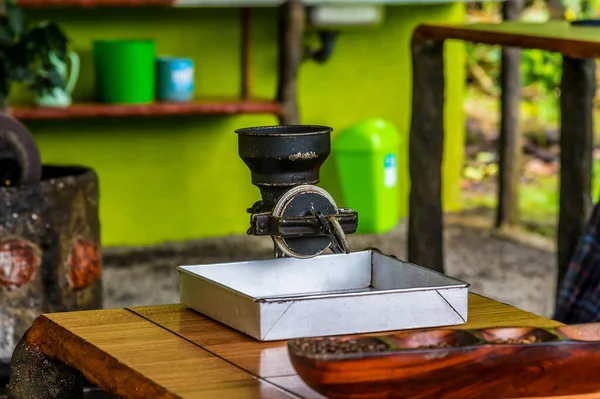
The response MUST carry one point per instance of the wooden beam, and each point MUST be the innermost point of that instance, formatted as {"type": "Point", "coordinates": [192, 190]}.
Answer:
{"type": "Point", "coordinates": [554, 36]}
{"type": "Point", "coordinates": [578, 87]}
{"type": "Point", "coordinates": [425, 231]}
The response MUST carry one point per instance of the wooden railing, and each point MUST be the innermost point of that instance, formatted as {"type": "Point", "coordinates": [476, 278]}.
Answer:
{"type": "Point", "coordinates": [579, 46]}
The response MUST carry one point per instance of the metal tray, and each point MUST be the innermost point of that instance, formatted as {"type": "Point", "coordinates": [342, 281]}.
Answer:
{"type": "Point", "coordinates": [333, 294]}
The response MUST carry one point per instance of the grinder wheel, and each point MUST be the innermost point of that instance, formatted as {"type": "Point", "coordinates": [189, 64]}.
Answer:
{"type": "Point", "coordinates": [19, 156]}
{"type": "Point", "coordinates": [304, 200]}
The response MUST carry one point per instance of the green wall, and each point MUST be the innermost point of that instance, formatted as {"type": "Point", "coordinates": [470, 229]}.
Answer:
{"type": "Point", "coordinates": [181, 178]}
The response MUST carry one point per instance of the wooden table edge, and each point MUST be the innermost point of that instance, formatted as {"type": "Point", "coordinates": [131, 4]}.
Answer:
{"type": "Point", "coordinates": [97, 366]}
{"type": "Point", "coordinates": [108, 373]}
{"type": "Point", "coordinates": [104, 370]}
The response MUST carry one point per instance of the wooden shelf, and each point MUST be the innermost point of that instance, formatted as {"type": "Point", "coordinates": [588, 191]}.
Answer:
{"type": "Point", "coordinates": [91, 110]}
{"type": "Point", "coordinates": [209, 3]}
{"type": "Point", "coordinates": [93, 3]}
{"type": "Point", "coordinates": [289, 44]}
{"type": "Point", "coordinates": [146, 3]}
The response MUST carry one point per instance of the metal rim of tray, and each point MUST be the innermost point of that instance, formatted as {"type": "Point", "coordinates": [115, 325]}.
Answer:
{"type": "Point", "coordinates": [318, 295]}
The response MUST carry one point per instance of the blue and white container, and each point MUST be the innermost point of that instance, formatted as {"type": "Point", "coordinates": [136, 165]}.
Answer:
{"type": "Point", "coordinates": [174, 79]}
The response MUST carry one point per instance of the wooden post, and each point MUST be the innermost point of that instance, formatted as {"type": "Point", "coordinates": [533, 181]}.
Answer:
{"type": "Point", "coordinates": [510, 149]}
{"type": "Point", "coordinates": [291, 29]}
{"type": "Point", "coordinates": [425, 230]}
{"type": "Point", "coordinates": [578, 87]}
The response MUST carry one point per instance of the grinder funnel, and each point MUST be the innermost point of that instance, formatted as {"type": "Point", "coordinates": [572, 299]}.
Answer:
{"type": "Point", "coordinates": [280, 157]}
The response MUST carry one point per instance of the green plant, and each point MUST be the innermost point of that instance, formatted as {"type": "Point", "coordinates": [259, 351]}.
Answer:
{"type": "Point", "coordinates": [543, 68]}
{"type": "Point", "coordinates": [538, 67]}
{"type": "Point", "coordinates": [25, 51]}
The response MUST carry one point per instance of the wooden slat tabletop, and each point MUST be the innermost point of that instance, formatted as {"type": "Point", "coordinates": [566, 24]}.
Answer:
{"type": "Point", "coordinates": [169, 351]}
{"type": "Point", "coordinates": [554, 36]}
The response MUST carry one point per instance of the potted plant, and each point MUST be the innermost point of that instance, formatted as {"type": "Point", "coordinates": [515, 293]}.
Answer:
{"type": "Point", "coordinates": [27, 52]}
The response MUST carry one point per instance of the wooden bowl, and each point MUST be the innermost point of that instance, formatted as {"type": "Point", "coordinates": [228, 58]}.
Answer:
{"type": "Point", "coordinates": [453, 364]}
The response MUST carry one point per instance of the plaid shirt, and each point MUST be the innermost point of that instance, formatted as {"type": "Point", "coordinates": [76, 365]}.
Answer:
{"type": "Point", "coordinates": [578, 299]}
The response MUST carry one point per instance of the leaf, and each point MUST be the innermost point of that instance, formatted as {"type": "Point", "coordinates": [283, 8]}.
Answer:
{"type": "Point", "coordinates": [484, 157]}
{"type": "Point", "coordinates": [46, 38]}
{"type": "Point", "coordinates": [55, 79]}
{"type": "Point", "coordinates": [25, 52]}
{"type": "Point", "coordinates": [15, 18]}
{"type": "Point", "coordinates": [473, 173]}
{"type": "Point", "coordinates": [491, 169]}
{"type": "Point", "coordinates": [494, 55]}
{"type": "Point", "coordinates": [6, 36]}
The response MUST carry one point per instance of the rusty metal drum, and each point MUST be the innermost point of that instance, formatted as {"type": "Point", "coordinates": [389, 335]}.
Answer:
{"type": "Point", "coordinates": [50, 258]}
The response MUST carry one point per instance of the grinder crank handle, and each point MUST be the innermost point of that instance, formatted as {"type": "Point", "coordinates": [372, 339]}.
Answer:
{"type": "Point", "coordinates": [331, 228]}
{"type": "Point", "coordinates": [340, 236]}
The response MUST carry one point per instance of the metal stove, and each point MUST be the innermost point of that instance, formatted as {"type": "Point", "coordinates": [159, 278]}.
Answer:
{"type": "Point", "coordinates": [303, 291]}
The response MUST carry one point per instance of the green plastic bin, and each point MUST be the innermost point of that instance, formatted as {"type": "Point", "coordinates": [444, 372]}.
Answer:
{"type": "Point", "coordinates": [366, 156]}
{"type": "Point", "coordinates": [124, 71]}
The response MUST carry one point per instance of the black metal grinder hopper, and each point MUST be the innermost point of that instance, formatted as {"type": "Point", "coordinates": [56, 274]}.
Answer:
{"type": "Point", "coordinates": [302, 218]}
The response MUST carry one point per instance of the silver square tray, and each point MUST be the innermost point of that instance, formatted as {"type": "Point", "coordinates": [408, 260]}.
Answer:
{"type": "Point", "coordinates": [333, 294]}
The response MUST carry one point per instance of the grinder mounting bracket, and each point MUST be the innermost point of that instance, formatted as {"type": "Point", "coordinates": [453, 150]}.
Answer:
{"type": "Point", "coordinates": [304, 222]}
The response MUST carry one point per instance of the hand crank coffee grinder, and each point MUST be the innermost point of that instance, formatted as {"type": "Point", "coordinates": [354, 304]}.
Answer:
{"type": "Point", "coordinates": [302, 218]}
{"type": "Point", "coordinates": [341, 293]}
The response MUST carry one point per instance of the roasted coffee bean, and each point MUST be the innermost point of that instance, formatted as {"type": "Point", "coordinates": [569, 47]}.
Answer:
{"type": "Point", "coordinates": [525, 340]}
{"type": "Point", "coordinates": [439, 345]}
{"type": "Point", "coordinates": [336, 346]}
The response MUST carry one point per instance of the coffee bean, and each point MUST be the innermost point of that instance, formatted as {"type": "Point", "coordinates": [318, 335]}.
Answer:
{"type": "Point", "coordinates": [524, 340]}
{"type": "Point", "coordinates": [438, 345]}
{"type": "Point", "coordinates": [338, 346]}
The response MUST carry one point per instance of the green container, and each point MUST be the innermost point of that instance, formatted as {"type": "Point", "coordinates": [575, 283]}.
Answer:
{"type": "Point", "coordinates": [366, 156]}
{"type": "Point", "coordinates": [124, 71]}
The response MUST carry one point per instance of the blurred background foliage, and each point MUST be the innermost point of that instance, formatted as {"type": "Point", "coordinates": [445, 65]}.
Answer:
{"type": "Point", "coordinates": [540, 116]}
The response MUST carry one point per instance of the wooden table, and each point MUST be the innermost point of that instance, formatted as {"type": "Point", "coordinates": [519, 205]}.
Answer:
{"type": "Point", "coordinates": [579, 47]}
{"type": "Point", "coordinates": [172, 352]}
